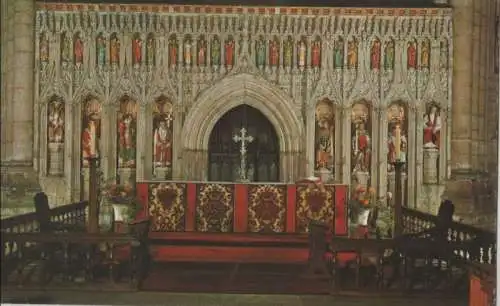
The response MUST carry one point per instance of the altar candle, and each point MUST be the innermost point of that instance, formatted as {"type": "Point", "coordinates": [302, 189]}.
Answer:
{"type": "Point", "coordinates": [397, 142]}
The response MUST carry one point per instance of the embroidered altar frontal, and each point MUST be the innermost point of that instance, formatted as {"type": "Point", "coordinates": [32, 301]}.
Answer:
{"type": "Point", "coordinates": [240, 208]}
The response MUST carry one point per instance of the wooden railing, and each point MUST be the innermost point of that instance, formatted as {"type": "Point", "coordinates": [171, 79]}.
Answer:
{"type": "Point", "coordinates": [476, 245]}
{"type": "Point", "coordinates": [70, 214]}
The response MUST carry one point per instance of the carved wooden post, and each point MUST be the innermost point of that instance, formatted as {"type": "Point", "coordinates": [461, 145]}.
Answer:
{"type": "Point", "coordinates": [398, 198]}
{"type": "Point", "coordinates": [93, 226]}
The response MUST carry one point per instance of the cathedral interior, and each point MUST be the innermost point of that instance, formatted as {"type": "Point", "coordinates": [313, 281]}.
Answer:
{"type": "Point", "coordinates": [247, 99]}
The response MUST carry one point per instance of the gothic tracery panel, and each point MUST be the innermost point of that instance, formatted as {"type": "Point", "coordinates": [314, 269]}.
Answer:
{"type": "Point", "coordinates": [325, 135]}
{"type": "Point", "coordinates": [91, 129]}
{"type": "Point", "coordinates": [162, 138]}
{"type": "Point", "coordinates": [55, 136]}
{"type": "Point", "coordinates": [361, 139]}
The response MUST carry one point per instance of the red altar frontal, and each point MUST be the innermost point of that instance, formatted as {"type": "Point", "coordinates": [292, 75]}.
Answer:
{"type": "Point", "coordinates": [267, 208]}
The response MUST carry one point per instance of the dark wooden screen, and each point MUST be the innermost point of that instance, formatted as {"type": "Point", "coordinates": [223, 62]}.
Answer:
{"type": "Point", "coordinates": [262, 153]}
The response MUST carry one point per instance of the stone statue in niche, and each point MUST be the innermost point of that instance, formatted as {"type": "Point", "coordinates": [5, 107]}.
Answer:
{"type": "Point", "coordinates": [443, 54]}
{"type": "Point", "coordinates": [137, 50]}
{"type": "Point", "coordinates": [260, 52]}
{"type": "Point", "coordinates": [44, 48]}
{"type": "Point", "coordinates": [361, 143]}
{"type": "Point", "coordinates": [55, 126]}
{"type": "Point", "coordinates": [274, 52]}
{"type": "Point", "coordinates": [202, 52]}
{"type": "Point", "coordinates": [215, 51]}
{"type": "Point", "coordinates": [425, 54]}
{"type": "Point", "coordinates": [188, 45]}
{"type": "Point", "coordinates": [325, 125]}
{"type": "Point", "coordinates": [389, 55]}
{"type": "Point", "coordinates": [432, 127]}
{"type": "Point", "coordinates": [397, 143]}
{"type": "Point", "coordinates": [316, 53]}
{"type": "Point", "coordinates": [301, 53]}
{"type": "Point", "coordinates": [352, 54]}
{"type": "Point", "coordinates": [78, 49]}
{"type": "Point", "coordinates": [65, 48]}
{"type": "Point", "coordinates": [288, 52]}
{"type": "Point", "coordinates": [91, 130]}
{"type": "Point", "coordinates": [162, 139]}
{"type": "Point", "coordinates": [114, 49]}
{"type": "Point", "coordinates": [173, 47]}
{"type": "Point", "coordinates": [55, 131]}
{"type": "Point", "coordinates": [375, 54]}
{"type": "Point", "coordinates": [127, 131]}
{"type": "Point", "coordinates": [229, 51]}
{"type": "Point", "coordinates": [101, 50]}
{"type": "Point", "coordinates": [338, 62]}
{"type": "Point", "coordinates": [150, 50]}
{"type": "Point", "coordinates": [412, 55]}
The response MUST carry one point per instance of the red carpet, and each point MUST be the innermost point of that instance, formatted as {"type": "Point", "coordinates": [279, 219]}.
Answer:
{"type": "Point", "coordinates": [224, 278]}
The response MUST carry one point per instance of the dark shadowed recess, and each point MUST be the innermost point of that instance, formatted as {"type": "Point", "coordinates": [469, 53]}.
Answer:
{"type": "Point", "coordinates": [316, 3]}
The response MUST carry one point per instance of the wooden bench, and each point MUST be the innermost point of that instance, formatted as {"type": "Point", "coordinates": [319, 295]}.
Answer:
{"type": "Point", "coordinates": [190, 240]}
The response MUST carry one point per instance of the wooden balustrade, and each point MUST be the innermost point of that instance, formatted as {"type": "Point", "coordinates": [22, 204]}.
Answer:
{"type": "Point", "coordinates": [70, 214]}
{"type": "Point", "coordinates": [90, 257]}
{"type": "Point", "coordinates": [474, 244]}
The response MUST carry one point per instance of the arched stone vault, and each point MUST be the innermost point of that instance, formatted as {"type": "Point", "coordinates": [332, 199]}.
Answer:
{"type": "Point", "coordinates": [227, 94]}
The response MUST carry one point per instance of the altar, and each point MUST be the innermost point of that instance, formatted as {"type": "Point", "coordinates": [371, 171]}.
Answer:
{"type": "Point", "coordinates": [255, 222]}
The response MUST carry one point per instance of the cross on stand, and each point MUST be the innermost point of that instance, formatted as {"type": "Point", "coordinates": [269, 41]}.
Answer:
{"type": "Point", "coordinates": [245, 139]}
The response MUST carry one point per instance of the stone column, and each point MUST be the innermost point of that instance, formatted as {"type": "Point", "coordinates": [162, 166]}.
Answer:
{"type": "Point", "coordinates": [465, 127]}
{"type": "Point", "coordinates": [23, 67]}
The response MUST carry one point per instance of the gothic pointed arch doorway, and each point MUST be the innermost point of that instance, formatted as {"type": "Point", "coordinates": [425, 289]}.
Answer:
{"type": "Point", "coordinates": [243, 126]}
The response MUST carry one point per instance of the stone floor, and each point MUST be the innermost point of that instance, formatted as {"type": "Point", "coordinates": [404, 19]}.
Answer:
{"type": "Point", "coordinates": [181, 299]}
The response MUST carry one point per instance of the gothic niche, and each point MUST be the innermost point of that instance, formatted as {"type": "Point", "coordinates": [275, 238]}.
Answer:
{"type": "Point", "coordinates": [202, 52]}
{"type": "Point", "coordinates": [162, 139]}
{"type": "Point", "coordinates": [137, 50]}
{"type": "Point", "coordinates": [229, 52]}
{"type": "Point", "coordinates": [66, 56]}
{"type": "Point", "coordinates": [288, 53]}
{"type": "Point", "coordinates": [173, 47]}
{"type": "Point", "coordinates": [431, 143]}
{"type": "Point", "coordinates": [316, 53]}
{"type": "Point", "coordinates": [338, 53]}
{"type": "Point", "coordinates": [389, 52]}
{"type": "Point", "coordinates": [325, 139]}
{"type": "Point", "coordinates": [100, 50]}
{"type": "Point", "coordinates": [274, 52]}
{"type": "Point", "coordinates": [126, 140]}
{"type": "Point", "coordinates": [114, 50]}
{"type": "Point", "coordinates": [188, 46]}
{"type": "Point", "coordinates": [375, 54]}
{"type": "Point", "coordinates": [91, 130]}
{"type": "Point", "coordinates": [260, 52]}
{"type": "Point", "coordinates": [78, 49]}
{"type": "Point", "coordinates": [361, 150]}
{"type": "Point", "coordinates": [397, 141]}
{"type": "Point", "coordinates": [301, 53]}
{"type": "Point", "coordinates": [55, 136]}
{"type": "Point", "coordinates": [150, 49]}
{"type": "Point", "coordinates": [352, 54]}
{"type": "Point", "coordinates": [43, 48]}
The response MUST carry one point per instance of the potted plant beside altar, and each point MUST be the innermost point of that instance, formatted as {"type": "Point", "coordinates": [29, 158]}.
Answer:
{"type": "Point", "coordinates": [122, 201]}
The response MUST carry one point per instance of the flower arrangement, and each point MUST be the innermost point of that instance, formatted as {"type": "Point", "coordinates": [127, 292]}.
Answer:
{"type": "Point", "coordinates": [123, 195]}
{"type": "Point", "coordinates": [364, 196]}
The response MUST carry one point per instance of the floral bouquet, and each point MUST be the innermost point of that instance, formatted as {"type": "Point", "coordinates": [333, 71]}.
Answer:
{"type": "Point", "coordinates": [124, 196]}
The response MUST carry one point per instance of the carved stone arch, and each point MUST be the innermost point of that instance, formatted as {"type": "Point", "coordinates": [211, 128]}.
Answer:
{"type": "Point", "coordinates": [117, 95]}
{"type": "Point", "coordinates": [233, 91]}
{"type": "Point", "coordinates": [85, 93]}
{"type": "Point", "coordinates": [51, 92]}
